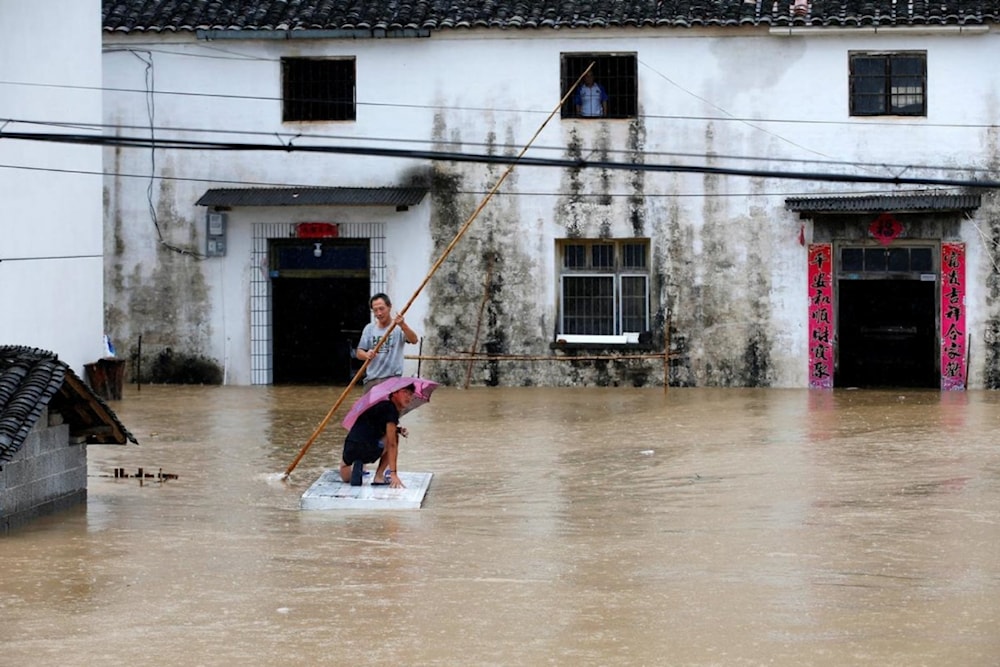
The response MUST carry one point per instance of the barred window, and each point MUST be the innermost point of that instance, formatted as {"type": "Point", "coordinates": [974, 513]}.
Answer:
{"type": "Point", "coordinates": [603, 287]}
{"type": "Point", "coordinates": [318, 89]}
{"type": "Point", "coordinates": [888, 84]}
{"type": "Point", "coordinates": [616, 76]}
{"type": "Point", "coordinates": [884, 260]}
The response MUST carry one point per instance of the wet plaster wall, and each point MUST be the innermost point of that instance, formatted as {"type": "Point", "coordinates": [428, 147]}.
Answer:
{"type": "Point", "coordinates": [983, 276]}
{"type": "Point", "coordinates": [157, 297]}
{"type": "Point", "coordinates": [727, 289]}
{"type": "Point", "coordinates": [728, 272]}
{"type": "Point", "coordinates": [713, 270]}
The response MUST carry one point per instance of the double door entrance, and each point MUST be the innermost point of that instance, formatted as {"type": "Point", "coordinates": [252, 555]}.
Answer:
{"type": "Point", "coordinates": [887, 316]}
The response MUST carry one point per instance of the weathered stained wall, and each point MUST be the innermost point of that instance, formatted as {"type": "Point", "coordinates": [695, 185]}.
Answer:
{"type": "Point", "coordinates": [728, 272]}
{"type": "Point", "coordinates": [164, 305]}
{"type": "Point", "coordinates": [984, 288]}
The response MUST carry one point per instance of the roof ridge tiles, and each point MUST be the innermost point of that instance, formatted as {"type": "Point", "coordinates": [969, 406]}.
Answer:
{"type": "Point", "coordinates": [171, 16]}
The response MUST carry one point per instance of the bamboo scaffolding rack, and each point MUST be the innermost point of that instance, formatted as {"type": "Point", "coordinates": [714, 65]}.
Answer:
{"type": "Point", "coordinates": [472, 357]}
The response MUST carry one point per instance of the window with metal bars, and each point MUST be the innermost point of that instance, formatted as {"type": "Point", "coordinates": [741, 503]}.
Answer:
{"type": "Point", "coordinates": [603, 286]}
{"type": "Point", "coordinates": [616, 76]}
{"type": "Point", "coordinates": [318, 89]}
{"type": "Point", "coordinates": [889, 84]}
{"type": "Point", "coordinates": [887, 260]}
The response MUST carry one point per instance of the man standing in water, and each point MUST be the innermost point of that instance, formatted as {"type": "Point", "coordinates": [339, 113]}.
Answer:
{"type": "Point", "coordinates": [375, 437]}
{"type": "Point", "coordinates": [388, 361]}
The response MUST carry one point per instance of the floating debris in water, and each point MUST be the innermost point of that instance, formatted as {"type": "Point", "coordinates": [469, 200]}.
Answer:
{"type": "Point", "coordinates": [141, 475]}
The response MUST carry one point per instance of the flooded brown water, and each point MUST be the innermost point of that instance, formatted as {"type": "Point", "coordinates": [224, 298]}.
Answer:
{"type": "Point", "coordinates": [562, 527]}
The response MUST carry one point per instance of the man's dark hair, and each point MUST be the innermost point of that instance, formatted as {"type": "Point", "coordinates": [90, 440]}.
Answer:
{"type": "Point", "coordinates": [380, 295]}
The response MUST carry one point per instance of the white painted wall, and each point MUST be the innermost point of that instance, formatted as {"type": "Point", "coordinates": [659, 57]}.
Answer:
{"type": "Point", "coordinates": [51, 218]}
{"type": "Point", "coordinates": [776, 102]}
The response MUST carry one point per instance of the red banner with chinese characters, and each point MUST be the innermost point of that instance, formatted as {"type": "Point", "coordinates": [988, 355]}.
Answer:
{"type": "Point", "coordinates": [820, 316]}
{"type": "Point", "coordinates": [317, 230]}
{"type": "Point", "coordinates": [953, 338]}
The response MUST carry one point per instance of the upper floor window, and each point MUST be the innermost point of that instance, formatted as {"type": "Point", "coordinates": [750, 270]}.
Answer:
{"type": "Point", "coordinates": [318, 89]}
{"type": "Point", "coordinates": [603, 286]}
{"type": "Point", "coordinates": [613, 91]}
{"type": "Point", "coordinates": [889, 84]}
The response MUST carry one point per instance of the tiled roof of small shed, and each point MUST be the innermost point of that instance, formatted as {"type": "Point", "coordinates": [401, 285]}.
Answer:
{"type": "Point", "coordinates": [30, 380]}
{"type": "Point", "coordinates": [401, 15]}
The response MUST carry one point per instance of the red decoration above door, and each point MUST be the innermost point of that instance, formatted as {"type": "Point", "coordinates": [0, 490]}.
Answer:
{"type": "Point", "coordinates": [885, 228]}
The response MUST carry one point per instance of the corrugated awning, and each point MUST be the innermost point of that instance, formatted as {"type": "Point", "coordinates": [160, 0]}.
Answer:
{"type": "Point", "coordinates": [232, 197]}
{"type": "Point", "coordinates": [884, 203]}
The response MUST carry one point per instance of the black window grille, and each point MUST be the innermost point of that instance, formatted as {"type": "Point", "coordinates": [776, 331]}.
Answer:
{"type": "Point", "coordinates": [604, 287]}
{"type": "Point", "coordinates": [615, 73]}
{"type": "Point", "coordinates": [318, 89]}
{"type": "Point", "coordinates": [912, 259]}
{"type": "Point", "coordinates": [889, 84]}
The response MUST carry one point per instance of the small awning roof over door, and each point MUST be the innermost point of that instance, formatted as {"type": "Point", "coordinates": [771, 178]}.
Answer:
{"type": "Point", "coordinates": [808, 207]}
{"type": "Point", "coordinates": [233, 197]}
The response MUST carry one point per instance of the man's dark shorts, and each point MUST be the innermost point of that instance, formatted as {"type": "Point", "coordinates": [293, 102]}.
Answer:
{"type": "Point", "coordinates": [361, 451]}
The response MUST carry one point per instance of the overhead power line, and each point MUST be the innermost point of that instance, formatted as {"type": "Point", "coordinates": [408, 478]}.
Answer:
{"type": "Point", "coordinates": [219, 180]}
{"type": "Point", "coordinates": [625, 152]}
{"type": "Point", "coordinates": [474, 158]}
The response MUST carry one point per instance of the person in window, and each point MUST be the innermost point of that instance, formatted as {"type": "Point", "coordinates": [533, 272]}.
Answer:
{"type": "Point", "coordinates": [388, 362]}
{"type": "Point", "coordinates": [590, 99]}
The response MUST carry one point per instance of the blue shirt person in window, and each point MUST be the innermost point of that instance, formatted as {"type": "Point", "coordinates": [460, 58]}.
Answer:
{"type": "Point", "coordinates": [590, 98]}
{"type": "Point", "coordinates": [388, 362]}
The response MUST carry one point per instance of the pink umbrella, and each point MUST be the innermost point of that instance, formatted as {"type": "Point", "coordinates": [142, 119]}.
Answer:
{"type": "Point", "coordinates": [421, 394]}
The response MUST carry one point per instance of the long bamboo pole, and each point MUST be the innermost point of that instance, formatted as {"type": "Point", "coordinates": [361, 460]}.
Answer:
{"type": "Point", "coordinates": [444, 255]}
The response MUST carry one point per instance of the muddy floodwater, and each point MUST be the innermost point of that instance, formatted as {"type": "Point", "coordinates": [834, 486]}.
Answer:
{"type": "Point", "coordinates": [583, 526]}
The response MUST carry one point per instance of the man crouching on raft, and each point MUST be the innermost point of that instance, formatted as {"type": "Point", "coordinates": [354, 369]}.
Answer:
{"type": "Point", "coordinates": [375, 437]}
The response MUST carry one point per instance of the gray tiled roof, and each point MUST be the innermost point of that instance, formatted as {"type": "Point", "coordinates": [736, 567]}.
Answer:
{"type": "Point", "coordinates": [312, 197]}
{"type": "Point", "coordinates": [931, 201]}
{"type": "Point", "coordinates": [409, 15]}
{"type": "Point", "coordinates": [30, 380]}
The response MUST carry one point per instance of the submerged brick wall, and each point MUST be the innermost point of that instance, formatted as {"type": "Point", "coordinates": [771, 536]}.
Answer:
{"type": "Point", "coordinates": [48, 474]}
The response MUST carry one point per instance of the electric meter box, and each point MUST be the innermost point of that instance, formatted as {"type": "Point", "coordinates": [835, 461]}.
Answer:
{"type": "Point", "coordinates": [215, 234]}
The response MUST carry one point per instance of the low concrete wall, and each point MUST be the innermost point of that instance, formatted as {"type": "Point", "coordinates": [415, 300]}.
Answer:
{"type": "Point", "coordinates": [48, 474]}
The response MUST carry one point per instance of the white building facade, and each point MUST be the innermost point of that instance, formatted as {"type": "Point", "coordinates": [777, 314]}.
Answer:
{"type": "Point", "coordinates": [684, 233]}
{"type": "Point", "coordinates": [51, 219]}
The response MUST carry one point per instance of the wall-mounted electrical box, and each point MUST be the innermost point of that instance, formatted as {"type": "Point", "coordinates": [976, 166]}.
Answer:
{"type": "Point", "coordinates": [215, 234]}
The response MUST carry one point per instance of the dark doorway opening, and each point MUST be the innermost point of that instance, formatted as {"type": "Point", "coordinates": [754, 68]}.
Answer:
{"type": "Point", "coordinates": [317, 321]}
{"type": "Point", "coordinates": [886, 333]}
{"type": "Point", "coordinates": [319, 304]}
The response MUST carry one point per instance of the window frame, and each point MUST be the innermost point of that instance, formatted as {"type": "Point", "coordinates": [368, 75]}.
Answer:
{"type": "Point", "coordinates": [299, 106]}
{"type": "Point", "coordinates": [893, 91]}
{"type": "Point", "coordinates": [618, 273]}
{"type": "Point", "coordinates": [616, 71]}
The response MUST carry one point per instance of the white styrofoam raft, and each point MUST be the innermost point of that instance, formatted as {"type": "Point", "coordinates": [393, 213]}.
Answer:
{"type": "Point", "coordinates": [330, 493]}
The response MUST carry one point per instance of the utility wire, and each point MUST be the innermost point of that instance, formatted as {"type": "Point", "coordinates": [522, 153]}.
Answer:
{"type": "Point", "coordinates": [520, 193]}
{"type": "Point", "coordinates": [447, 156]}
{"type": "Point", "coordinates": [288, 136]}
